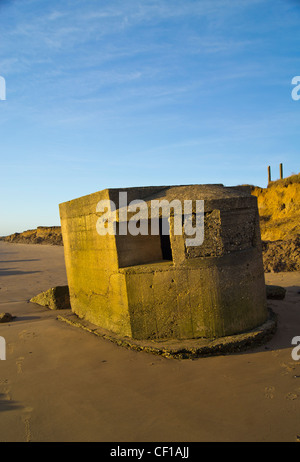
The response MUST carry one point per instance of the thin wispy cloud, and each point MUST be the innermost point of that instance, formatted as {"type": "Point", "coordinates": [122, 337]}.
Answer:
{"type": "Point", "coordinates": [105, 88]}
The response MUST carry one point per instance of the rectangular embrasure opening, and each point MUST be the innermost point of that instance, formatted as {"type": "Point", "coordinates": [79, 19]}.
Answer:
{"type": "Point", "coordinates": [141, 249]}
{"type": "Point", "coordinates": [165, 242]}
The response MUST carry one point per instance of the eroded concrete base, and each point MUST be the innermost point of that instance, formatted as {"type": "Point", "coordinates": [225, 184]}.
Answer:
{"type": "Point", "coordinates": [275, 292]}
{"type": "Point", "coordinates": [183, 349]}
{"type": "Point", "coordinates": [56, 298]}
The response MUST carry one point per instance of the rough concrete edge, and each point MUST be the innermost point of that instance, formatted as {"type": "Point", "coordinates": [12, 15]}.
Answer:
{"type": "Point", "coordinates": [198, 347]}
{"type": "Point", "coordinates": [53, 298]}
{"type": "Point", "coordinates": [275, 292]}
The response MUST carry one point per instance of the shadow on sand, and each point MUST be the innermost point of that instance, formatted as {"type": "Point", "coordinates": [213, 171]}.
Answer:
{"type": "Point", "coordinates": [26, 318]}
{"type": "Point", "coordinates": [13, 272]}
{"type": "Point", "coordinates": [8, 405]}
{"type": "Point", "coordinates": [17, 261]}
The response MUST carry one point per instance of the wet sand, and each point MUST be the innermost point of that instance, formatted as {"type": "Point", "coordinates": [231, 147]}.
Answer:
{"type": "Point", "coordinates": [60, 383]}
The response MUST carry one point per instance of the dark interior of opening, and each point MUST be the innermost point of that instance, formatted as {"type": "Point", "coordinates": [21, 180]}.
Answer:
{"type": "Point", "coordinates": [165, 241]}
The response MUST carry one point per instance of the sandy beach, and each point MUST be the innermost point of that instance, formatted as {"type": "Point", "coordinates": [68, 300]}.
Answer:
{"type": "Point", "coordinates": [60, 383]}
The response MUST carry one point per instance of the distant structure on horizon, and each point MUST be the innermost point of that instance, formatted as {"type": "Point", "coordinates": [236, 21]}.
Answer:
{"type": "Point", "coordinates": [280, 173]}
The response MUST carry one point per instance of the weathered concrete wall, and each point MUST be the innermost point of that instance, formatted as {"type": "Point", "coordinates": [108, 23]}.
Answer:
{"type": "Point", "coordinates": [121, 283]}
{"type": "Point", "coordinates": [97, 290]}
{"type": "Point", "coordinates": [209, 298]}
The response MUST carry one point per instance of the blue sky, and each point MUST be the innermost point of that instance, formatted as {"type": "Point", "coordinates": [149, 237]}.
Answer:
{"type": "Point", "coordinates": [142, 92]}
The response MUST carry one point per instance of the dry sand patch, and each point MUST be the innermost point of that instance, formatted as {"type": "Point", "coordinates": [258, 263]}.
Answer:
{"type": "Point", "coordinates": [60, 383]}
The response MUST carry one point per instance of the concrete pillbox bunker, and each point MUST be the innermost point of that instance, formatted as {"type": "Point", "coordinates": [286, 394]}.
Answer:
{"type": "Point", "coordinates": [154, 286]}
